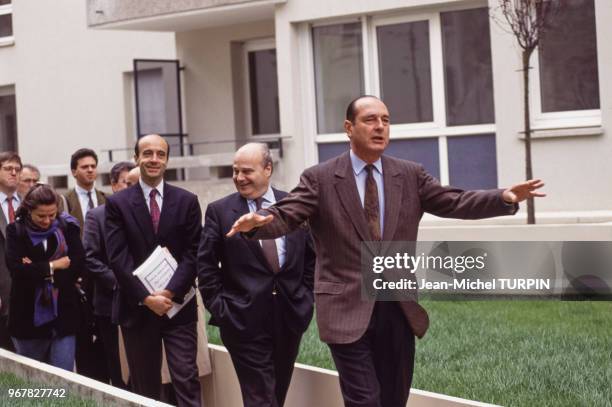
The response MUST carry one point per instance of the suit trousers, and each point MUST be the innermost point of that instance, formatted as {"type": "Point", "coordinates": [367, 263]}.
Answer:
{"type": "Point", "coordinates": [109, 333]}
{"type": "Point", "coordinates": [264, 360]}
{"type": "Point", "coordinates": [376, 370]}
{"type": "Point", "coordinates": [143, 348]}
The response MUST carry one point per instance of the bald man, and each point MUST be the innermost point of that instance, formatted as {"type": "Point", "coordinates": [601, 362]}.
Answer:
{"type": "Point", "coordinates": [148, 214]}
{"type": "Point", "coordinates": [259, 293]}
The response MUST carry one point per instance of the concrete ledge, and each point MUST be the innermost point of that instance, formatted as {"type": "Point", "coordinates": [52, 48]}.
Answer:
{"type": "Point", "coordinates": [310, 386]}
{"type": "Point", "coordinates": [74, 384]}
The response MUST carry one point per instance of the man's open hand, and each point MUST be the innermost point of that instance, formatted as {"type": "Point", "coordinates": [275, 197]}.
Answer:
{"type": "Point", "coordinates": [519, 192]}
{"type": "Point", "coordinates": [248, 222]}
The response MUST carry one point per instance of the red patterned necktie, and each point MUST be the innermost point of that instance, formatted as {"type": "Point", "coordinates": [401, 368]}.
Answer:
{"type": "Point", "coordinates": [269, 246]}
{"type": "Point", "coordinates": [370, 204]}
{"type": "Point", "coordinates": [11, 209]}
{"type": "Point", "coordinates": [154, 209]}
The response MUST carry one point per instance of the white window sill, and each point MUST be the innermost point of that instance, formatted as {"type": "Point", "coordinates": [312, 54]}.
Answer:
{"type": "Point", "coordinates": [581, 131]}
{"type": "Point", "coordinates": [7, 41]}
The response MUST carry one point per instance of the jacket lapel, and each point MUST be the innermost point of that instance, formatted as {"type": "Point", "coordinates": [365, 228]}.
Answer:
{"type": "Point", "coordinates": [141, 214]}
{"type": "Point", "coordinates": [393, 197]}
{"type": "Point", "coordinates": [75, 207]}
{"type": "Point", "coordinates": [3, 223]}
{"type": "Point", "coordinates": [166, 217]}
{"type": "Point", "coordinates": [100, 197]}
{"type": "Point", "coordinates": [346, 189]}
{"type": "Point", "coordinates": [393, 200]}
{"type": "Point", "coordinates": [239, 208]}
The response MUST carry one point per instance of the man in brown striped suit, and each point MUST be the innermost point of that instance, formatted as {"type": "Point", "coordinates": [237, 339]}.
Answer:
{"type": "Point", "coordinates": [359, 196]}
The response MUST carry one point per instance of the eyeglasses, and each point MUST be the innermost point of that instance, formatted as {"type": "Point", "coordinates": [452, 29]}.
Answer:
{"type": "Point", "coordinates": [10, 168]}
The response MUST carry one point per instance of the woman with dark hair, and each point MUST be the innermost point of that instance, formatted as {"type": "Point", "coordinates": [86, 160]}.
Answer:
{"type": "Point", "coordinates": [44, 255]}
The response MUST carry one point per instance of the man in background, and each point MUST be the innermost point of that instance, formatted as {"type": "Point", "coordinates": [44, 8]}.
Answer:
{"type": "Point", "coordinates": [103, 278]}
{"type": "Point", "coordinates": [90, 358]}
{"type": "Point", "coordinates": [10, 168]}
{"type": "Point", "coordinates": [30, 176]}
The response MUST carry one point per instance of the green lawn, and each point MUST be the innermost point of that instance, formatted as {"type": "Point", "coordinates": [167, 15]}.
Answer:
{"type": "Point", "coordinates": [10, 381]}
{"type": "Point", "coordinates": [513, 353]}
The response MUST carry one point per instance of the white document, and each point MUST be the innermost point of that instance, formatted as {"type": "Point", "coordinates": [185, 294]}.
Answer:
{"type": "Point", "coordinates": [155, 273]}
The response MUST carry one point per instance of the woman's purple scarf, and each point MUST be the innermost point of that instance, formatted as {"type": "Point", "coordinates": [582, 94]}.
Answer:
{"type": "Point", "coordinates": [45, 298]}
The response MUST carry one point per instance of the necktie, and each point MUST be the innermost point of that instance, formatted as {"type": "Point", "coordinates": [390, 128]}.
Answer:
{"type": "Point", "coordinates": [269, 247]}
{"type": "Point", "coordinates": [370, 204]}
{"type": "Point", "coordinates": [90, 204]}
{"type": "Point", "coordinates": [11, 209]}
{"type": "Point", "coordinates": [154, 209]}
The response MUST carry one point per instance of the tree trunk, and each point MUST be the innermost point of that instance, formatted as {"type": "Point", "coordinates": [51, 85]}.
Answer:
{"type": "Point", "coordinates": [528, 170]}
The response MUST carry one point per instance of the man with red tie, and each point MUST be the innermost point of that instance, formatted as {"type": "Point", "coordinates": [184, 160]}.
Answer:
{"type": "Point", "coordinates": [148, 214]}
{"type": "Point", "coordinates": [10, 168]}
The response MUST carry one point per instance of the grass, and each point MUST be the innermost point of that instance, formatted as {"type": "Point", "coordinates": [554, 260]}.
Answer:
{"type": "Point", "coordinates": [10, 381]}
{"type": "Point", "coordinates": [512, 353]}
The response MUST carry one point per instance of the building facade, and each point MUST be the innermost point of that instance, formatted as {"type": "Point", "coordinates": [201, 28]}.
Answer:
{"type": "Point", "coordinates": [64, 86]}
{"type": "Point", "coordinates": [263, 69]}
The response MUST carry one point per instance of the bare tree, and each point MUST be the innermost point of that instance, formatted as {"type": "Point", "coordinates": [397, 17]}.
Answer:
{"type": "Point", "coordinates": [527, 20]}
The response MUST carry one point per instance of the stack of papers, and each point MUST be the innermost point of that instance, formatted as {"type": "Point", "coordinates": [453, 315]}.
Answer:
{"type": "Point", "coordinates": [155, 273]}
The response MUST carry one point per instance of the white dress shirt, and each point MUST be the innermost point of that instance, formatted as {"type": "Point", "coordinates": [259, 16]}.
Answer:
{"type": "Point", "coordinates": [4, 202]}
{"type": "Point", "coordinates": [84, 199]}
{"type": "Point", "coordinates": [159, 197]}
{"type": "Point", "coordinates": [361, 174]}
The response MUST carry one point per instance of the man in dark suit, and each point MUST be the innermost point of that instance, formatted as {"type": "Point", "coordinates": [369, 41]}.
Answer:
{"type": "Point", "coordinates": [258, 293]}
{"type": "Point", "coordinates": [138, 219]}
{"type": "Point", "coordinates": [104, 280]}
{"type": "Point", "coordinates": [10, 168]}
{"type": "Point", "coordinates": [89, 356]}
{"type": "Point", "coordinates": [363, 195]}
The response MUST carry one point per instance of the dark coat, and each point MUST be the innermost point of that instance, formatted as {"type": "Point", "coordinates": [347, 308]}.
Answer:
{"type": "Point", "coordinates": [104, 280]}
{"type": "Point", "coordinates": [130, 240]}
{"type": "Point", "coordinates": [236, 282]}
{"type": "Point", "coordinates": [26, 277]}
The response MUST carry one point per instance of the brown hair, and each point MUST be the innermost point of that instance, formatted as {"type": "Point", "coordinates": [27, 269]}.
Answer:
{"type": "Point", "coordinates": [39, 194]}
{"type": "Point", "coordinates": [7, 156]}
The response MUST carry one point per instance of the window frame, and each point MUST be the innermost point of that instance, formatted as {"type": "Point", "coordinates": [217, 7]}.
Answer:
{"type": "Point", "coordinates": [556, 120]}
{"type": "Point", "coordinates": [10, 39]}
{"type": "Point", "coordinates": [436, 128]}
{"type": "Point", "coordinates": [260, 44]}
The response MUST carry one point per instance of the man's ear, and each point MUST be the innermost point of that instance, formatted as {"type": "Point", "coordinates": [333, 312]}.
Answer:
{"type": "Point", "coordinates": [348, 128]}
{"type": "Point", "coordinates": [73, 173]}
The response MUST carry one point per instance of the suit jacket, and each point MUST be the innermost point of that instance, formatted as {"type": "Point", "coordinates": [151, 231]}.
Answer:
{"type": "Point", "coordinates": [74, 205]}
{"type": "Point", "coordinates": [104, 280]}
{"type": "Point", "coordinates": [26, 277]}
{"type": "Point", "coordinates": [237, 282]}
{"type": "Point", "coordinates": [328, 199]}
{"type": "Point", "coordinates": [5, 275]}
{"type": "Point", "coordinates": [130, 239]}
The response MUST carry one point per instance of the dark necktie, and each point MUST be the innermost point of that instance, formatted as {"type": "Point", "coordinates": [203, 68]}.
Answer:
{"type": "Point", "coordinates": [90, 204]}
{"type": "Point", "coordinates": [370, 204]}
{"type": "Point", "coordinates": [269, 246]}
{"type": "Point", "coordinates": [154, 208]}
{"type": "Point", "coordinates": [11, 209]}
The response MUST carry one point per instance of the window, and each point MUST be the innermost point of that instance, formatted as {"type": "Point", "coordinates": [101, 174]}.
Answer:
{"type": "Point", "coordinates": [568, 60]}
{"type": "Point", "coordinates": [8, 120]}
{"type": "Point", "coordinates": [338, 64]}
{"type": "Point", "coordinates": [433, 71]}
{"type": "Point", "coordinates": [565, 82]}
{"type": "Point", "coordinates": [6, 22]}
{"type": "Point", "coordinates": [263, 106]}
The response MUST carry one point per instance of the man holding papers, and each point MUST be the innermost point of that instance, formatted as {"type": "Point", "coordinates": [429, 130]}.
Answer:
{"type": "Point", "coordinates": [140, 219]}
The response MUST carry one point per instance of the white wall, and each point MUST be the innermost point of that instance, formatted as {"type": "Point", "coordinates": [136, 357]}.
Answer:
{"type": "Point", "coordinates": [69, 80]}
